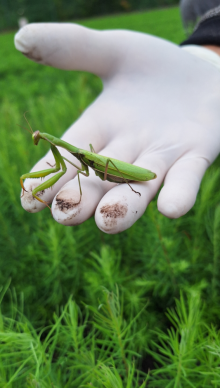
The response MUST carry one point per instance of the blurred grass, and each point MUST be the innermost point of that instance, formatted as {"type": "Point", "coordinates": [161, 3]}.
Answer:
{"type": "Point", "coordinates": [79, 307]}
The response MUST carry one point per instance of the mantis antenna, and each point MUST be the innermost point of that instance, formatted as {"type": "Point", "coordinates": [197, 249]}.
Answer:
{"type": "Point", "coordinates": [24, 128]}
{"type": "Point", "coordinates": [31, 132]}
{"type": "Point", "coordinates": [28, 123]}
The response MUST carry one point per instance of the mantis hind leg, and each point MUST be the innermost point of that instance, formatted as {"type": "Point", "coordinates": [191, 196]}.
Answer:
{"type": "Point", "coordinates": [40, 174]}
{"type": "Point", "coordinates": [125, 180]}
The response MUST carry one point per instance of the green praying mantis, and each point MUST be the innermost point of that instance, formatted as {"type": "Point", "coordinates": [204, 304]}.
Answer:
{"type": "Point", "coordinates": [105, 168]}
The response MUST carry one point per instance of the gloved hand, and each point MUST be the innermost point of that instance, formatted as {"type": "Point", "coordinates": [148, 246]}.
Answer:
{"type": "Point", "coordinates": [159, 109]}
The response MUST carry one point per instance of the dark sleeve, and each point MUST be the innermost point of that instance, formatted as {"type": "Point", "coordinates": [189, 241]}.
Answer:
{"type": "Point", "coordinates": [192, 10]}
{"type": "Point", "coordinates": [207, 31]}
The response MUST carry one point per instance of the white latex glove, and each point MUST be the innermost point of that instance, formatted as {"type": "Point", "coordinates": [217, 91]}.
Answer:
{"type": "Point", "coordinates": [159, 109]}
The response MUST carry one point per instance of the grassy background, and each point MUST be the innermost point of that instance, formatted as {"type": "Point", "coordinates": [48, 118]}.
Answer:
{"type": "Point", "coordinates": [79, 307]}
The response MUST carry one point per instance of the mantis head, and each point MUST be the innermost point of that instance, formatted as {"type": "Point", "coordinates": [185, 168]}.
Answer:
{"type": "Point", "coordinates": [36, 137]}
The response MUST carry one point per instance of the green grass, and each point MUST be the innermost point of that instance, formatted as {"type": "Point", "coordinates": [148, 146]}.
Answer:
{"type": "Point", "coordinates": [82, 308]}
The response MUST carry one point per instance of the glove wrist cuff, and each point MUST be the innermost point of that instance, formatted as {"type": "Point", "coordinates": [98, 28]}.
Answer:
{"type": "Point", "coordinates": [204, 53]}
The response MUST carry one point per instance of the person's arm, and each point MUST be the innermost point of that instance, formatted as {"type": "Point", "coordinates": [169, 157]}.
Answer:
{"type": "Point", "coordinates": [216, 49]}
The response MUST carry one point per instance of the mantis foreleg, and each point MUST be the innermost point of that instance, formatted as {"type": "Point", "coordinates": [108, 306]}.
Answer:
{"type": "Point", "coordinates": [39, 174]}
{"type": "Point", "coordinates": [106, 173]}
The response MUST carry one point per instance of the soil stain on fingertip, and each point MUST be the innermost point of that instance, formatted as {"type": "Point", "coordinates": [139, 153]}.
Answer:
{"type": "Point", "coordinates": [111, 213]}
{"type": "Point", "coordinates": [28, 201]}
{"type": "Point", "coordinates": [40, 193]}
{"type": "Point", "coordinates": [31, 55]}
{"type": "Point", "coordinates": [32, 187]}
{"type": "Point", "coordinates": [64, 203]}
{"type": "Point", "coordinates": [28, 197]}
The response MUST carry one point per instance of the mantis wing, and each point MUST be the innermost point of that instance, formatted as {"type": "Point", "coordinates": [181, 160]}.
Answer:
{"type": "Point", "coordinates": [129, 171]}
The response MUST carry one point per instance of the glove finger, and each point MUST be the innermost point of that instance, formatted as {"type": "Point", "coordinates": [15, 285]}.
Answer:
{"type": "Point", "coordinates": [121, 207]}
{"type": "Point", "coordinates": [70, 47]}
{"type": "Point", "coordinates": [181, 186]}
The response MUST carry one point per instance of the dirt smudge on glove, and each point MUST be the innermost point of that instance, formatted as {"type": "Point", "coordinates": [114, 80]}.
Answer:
{"type": "Point", "coordinates": [111, 213]}
{"type": "Point", "coordinates": [65, 203]}
{"type": "Point", "coordinates": [28, 197]}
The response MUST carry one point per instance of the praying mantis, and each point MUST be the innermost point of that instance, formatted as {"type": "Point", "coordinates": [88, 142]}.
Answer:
{"type": "Point", "coordinates": [105, 168]}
